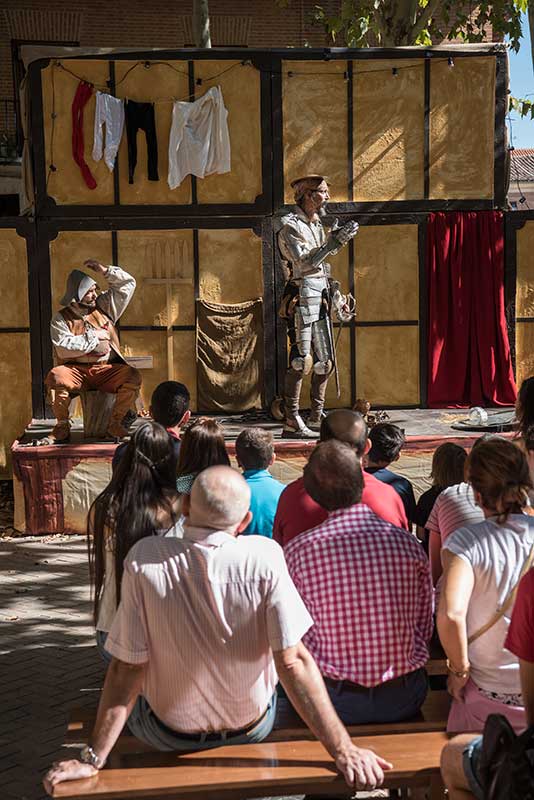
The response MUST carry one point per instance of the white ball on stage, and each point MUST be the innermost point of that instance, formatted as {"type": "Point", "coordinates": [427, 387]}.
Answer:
{"type": "Point", "coordinates": [478, 416]}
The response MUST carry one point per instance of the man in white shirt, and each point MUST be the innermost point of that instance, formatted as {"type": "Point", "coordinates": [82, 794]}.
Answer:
{"type": "Point", "coordinates": [204, 626]}
{"type": "Point", "coordinates": [87, 348]}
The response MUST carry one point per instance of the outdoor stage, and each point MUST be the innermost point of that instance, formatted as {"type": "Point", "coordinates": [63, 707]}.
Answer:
{"type": "Point", "coordinates": [55, 485]}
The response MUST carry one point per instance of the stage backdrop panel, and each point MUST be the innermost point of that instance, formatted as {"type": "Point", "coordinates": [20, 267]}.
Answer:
{"type": "Point", "coordinates": [386, 277]}
{"type": "Point", "coordinates": [241, 92]}
{"type": "Point", "coordinates": [66, 185]}
{"type": "Point", "coordinates": [15, 365]}
{"type": "Point", "coordinates": [230, 265]}
{"type": "Point", "coordinates": [524, 331]}
{"type": "Point", "coordinates": [388, 123]}
{"type": "Point", "coordinates": [462, 128]}
{"type": "Point", "coordinates": [315, 125]}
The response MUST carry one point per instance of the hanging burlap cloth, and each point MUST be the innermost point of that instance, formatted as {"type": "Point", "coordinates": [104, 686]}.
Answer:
{"type": "Point", "coordinates": [229, 355]}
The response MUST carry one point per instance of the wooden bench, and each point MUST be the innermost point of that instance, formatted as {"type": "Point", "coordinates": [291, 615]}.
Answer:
{"type": "Point", "coordinates": [257, 770]}
{"type": "Point", "coordinates": [288, 725]}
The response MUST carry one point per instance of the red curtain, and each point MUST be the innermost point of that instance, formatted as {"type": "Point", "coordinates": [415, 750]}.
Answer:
{"type": "Point", "coordinates": [469, 351]}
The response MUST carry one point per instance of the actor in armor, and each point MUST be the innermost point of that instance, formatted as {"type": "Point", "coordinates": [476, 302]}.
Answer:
{"type": "Point", "coordinates": [309, 298]}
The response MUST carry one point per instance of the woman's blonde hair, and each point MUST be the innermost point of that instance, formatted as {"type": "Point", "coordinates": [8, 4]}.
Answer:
{"type": "Point", "coordinates": [498, 470]}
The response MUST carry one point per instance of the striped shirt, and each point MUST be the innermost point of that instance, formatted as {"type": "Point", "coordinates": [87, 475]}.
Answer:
{"type": "Point", "coordinates": [454, 508]}
{"type": "Point", "coordinates": [367, 585]}
{"type": "Point", "coordinates": [204, 613]}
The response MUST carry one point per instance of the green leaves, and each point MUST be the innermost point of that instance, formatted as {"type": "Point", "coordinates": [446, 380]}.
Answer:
{"type": "Point", "coordinates": [408, 22]}
{"type": "Point", "coordinates": [522, 106]}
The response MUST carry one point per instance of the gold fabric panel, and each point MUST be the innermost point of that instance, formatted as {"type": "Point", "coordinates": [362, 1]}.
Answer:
{"type": "Point", "coordinates": [462, 122]}
{"type": "Point", "coordinates": [315, 128]}
{"type": "Point", "coordinates": [13, 280]}
{"type": "Point", "coordinates": [148, 85]}
{"type": "Point", "coordinates": [152, 256]}
{"type": "Point", "coordinates": [343, 361]}
{"type": "Point", "coordinates": [388, 130]}
{"type": "Point", "coordinates": [230, 265]}
{"type": "Point", "coordinates": [387, 365]}
{"type": "Point", "coordinates": [386, 267]}
{"type": "Point", "coordinates": [524, 351]}
{"type": "Point", "coordinates": [340, 268]}
{"type": "Point", "coordinates": [69, 250]}
{"type": "Point", "coordinates": [66, 185]}
{"type": "Point", "coordinates": [241, 93]}
{"type": "Point", "coordinates": [524, 297]}
{"type": "Point", "coordinates": [15, 393]}
{"type": "Point", "coordinates": [154, 343]}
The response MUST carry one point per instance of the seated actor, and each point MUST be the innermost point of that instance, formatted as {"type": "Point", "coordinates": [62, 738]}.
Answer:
{"type": "Point", "coordinates": [387, 441]}
{"type": "Point", "coordinates": [205, 625]}
{"type": "Point", "coordinates": [87, 347]}
{"type": "Point", "coordinates": [169, 406]}
{"type": "Point", "coordinates": [297, 512]}
{"type": "Point", "coordinates": [368, 584]}
{"type": "Point", "coordinates": [460, 758]}
{"type": "Point", "coordinates": [254, 450]}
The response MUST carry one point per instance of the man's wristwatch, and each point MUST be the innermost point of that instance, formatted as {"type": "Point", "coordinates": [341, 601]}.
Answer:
{"type": "Point", "coordinates": [88, 756]}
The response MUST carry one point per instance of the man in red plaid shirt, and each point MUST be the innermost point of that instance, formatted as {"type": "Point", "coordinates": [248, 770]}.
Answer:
{"type": "Point", "coordinates": [368, 587]}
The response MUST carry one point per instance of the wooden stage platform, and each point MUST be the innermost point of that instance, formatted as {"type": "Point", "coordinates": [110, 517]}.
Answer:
{"type": "Point", "coordinates": [55, 485]}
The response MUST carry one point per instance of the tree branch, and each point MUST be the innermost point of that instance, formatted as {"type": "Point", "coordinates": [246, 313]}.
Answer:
{"type": "Point", "coordinates": [421, 23]}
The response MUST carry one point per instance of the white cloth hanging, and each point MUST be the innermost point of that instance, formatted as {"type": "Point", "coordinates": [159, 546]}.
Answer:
{"type": "Point", "coordinates": [199, 141]}
{"type": "Point", "coordinates": [109, 111]}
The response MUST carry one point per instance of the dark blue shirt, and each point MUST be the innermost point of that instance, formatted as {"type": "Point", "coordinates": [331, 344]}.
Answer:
{"type": "Point", "coordinates": [402, 486]}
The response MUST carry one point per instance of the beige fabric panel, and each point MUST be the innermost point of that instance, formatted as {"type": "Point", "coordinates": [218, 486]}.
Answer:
{"type": "Point", "coordinates": [387, 365]}
{"type": "Point", "coordinates": [159, 255]}
{"type": "Point", "coordinates": [66, 185]}
{"type": "Point", "coordinates": [13, 280]}
{"type": "Point", "coordinates": [230, 265]}
{"type": "Point", "coordinates": [154, 343]}
{"type": "Point", "coordinates": [386, 267]}
{"type": "Point", "coordinates": [15, 393]}
{"type": "Point", "coordinates": [388, 130]}
{"type": "Point", "coordinates": [340, 268]}
{"type": "Point", "coordinates": [69, 250]}
{"type": "Point", "coordinates": [158, 82]}
{"type": "Point", "coordinates": [524, 297]}
{"type": "Point", "coordinates": [241, 93]}
{"type": "Point", "coordinates": [80, 488]}
{"type": "Point", "coordinates": [315, 127]}
{"type": "Point", "coordinates": [524, 351]}
{"type": "Point", "coordinates": [343, 361]}
{"type": "Point", "coordinates": [462, 122]}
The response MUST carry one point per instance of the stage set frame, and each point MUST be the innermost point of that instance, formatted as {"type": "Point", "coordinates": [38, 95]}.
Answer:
{"type": "Point", "coordinates": [349, 69]}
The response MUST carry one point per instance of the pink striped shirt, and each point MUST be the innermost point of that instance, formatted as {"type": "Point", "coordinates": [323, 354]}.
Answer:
{"type": "Point", "coordinates": [205, 613]}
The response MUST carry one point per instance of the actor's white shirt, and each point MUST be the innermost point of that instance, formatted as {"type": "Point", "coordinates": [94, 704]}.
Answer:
{"type": "Point", "coordinates": [112, 302]}
{"type": "Point", "coordinates": [204, 613]}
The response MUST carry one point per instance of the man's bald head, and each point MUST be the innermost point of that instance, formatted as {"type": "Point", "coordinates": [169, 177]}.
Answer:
{"type": "Point", "coordinates": [345, 426]}
{"type": "Point", "coordinates": [220, 499]}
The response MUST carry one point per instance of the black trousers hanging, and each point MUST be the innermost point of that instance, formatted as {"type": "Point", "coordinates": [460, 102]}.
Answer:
{"type": "Point", "coordinates": [141, 116]}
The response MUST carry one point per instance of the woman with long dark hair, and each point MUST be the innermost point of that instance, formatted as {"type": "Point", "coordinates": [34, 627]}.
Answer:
{"type": "Point", "coordinates": [524, 409]}
{"type": "Point", "coordinates": [202, 447]}
{"type": "Point", "coordinates": [141, 500]}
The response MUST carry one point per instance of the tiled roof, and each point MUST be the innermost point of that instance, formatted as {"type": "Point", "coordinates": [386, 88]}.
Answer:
{"type": "Point", "coordinates": [522, 164]}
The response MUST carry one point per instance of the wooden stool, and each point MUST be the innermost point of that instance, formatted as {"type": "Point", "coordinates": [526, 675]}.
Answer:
{"type": "Point", "coordinates": [97, 408]}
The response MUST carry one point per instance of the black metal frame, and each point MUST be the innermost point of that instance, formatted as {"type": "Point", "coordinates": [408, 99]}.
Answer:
{"type": "Point", "coordinates": [52, 218]}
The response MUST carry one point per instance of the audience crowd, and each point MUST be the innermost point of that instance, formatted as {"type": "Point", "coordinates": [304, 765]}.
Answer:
{"type": "Point", "coordinates": [220, 593]}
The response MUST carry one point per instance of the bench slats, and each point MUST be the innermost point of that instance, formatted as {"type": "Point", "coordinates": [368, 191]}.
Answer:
{"type": "Point", "coordinates": [289, 726]}
{"type": "Point", "coordinates": [254, 770]}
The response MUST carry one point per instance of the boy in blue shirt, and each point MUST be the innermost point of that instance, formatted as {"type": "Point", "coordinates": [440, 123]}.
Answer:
{"type": "Point", "coordinates": [254, 451]}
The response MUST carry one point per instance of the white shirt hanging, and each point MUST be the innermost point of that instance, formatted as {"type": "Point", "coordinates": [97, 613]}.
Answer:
{"type": "Point", "coordinates": [109, 111]}
{"type": "Point", "coordinates": [199, 141]}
